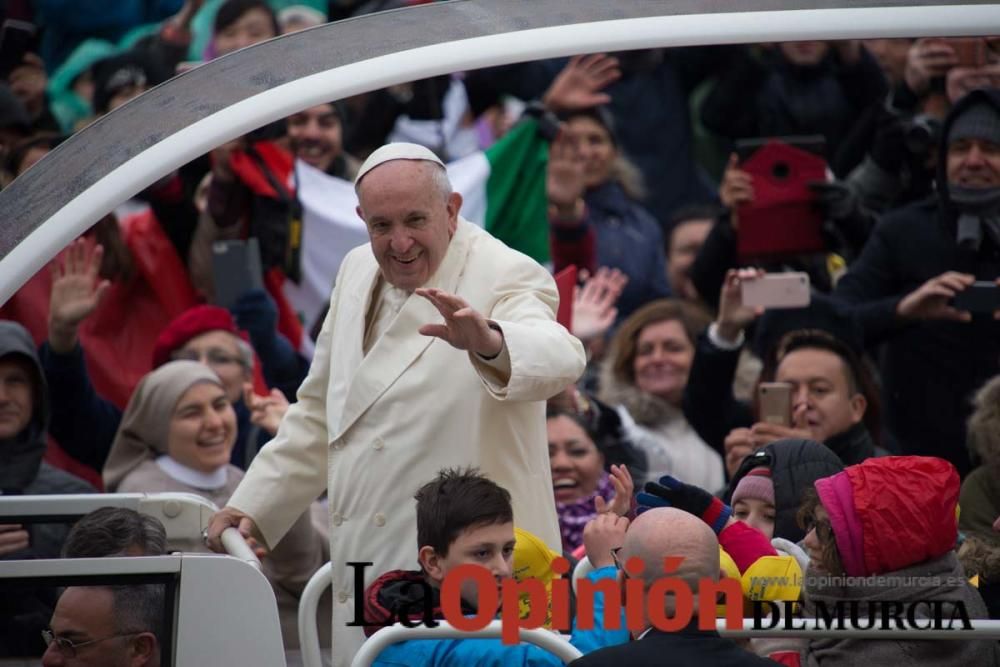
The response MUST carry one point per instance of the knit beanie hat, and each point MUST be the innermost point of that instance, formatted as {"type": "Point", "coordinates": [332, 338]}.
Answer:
{"type": "Point", "coordinates": [755, 484]}
{"type": "Point", "coordinates": [189, 324]}
{"type": "Point", "coordinates": [979, 121]}
{"type": "Point", "coordinates": [196, 321]}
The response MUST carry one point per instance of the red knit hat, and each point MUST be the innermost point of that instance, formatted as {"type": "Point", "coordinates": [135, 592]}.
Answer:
{"type": "Point", "coordinates": [194, 322]}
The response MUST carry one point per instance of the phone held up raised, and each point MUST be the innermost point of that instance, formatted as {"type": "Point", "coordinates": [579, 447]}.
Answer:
{"type": "Point", "coordinates": [777, 290]}
{"type": "Point", "coordinates": [775, 401]}
{"type": "Point", "coordinates": [236, 268]}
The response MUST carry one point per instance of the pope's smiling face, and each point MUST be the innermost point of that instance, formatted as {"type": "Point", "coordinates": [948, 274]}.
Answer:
{"type": "Point", "coordinates": [411, 215]}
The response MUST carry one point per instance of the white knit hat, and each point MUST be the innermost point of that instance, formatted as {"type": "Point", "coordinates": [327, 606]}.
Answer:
{"type": "Point", "coordinates": [396, 151]}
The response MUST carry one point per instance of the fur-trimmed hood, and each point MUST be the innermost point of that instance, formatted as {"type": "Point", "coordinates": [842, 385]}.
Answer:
{"type": "Point", "coordinates": [645, 409]}
{"type": "Point", "coordinates": [984, 424]}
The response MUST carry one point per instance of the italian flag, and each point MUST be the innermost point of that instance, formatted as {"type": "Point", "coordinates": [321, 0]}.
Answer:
{"type": "Point", "coordinates": [503, 190]}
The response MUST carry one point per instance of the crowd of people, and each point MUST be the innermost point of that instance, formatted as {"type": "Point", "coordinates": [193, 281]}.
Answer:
{"type": "Point", "coordinates": [318, 405]}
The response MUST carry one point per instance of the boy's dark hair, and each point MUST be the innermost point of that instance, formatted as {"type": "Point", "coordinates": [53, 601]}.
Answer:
{"type": "Point", "coordinates": [458, 499]}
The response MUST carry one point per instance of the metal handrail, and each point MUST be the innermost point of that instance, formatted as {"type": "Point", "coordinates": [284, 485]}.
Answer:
{"type": "Point", "coordinates": [308, 607]}
{"type": "Point", "coordinates": [184, 516]}
{"type": "Point", "coordinates": [543, 639]}
{"type": "Point", "coordinates": [236, 546]}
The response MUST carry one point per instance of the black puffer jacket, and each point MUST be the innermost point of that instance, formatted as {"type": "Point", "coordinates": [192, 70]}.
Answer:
{"type": "Point", "coordinates": [795, 466]}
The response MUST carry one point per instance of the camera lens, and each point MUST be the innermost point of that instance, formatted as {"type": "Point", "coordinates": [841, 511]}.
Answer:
{"type": "Point", "coordinates": [921, 134]}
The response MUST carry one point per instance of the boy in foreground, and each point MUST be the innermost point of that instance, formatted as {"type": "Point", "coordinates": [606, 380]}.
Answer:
{"type": "Point", "coordinates": [464, 518]}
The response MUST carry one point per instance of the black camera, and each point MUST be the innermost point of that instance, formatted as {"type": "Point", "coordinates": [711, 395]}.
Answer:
{"type": "Point", "coordinates": [921, 134]}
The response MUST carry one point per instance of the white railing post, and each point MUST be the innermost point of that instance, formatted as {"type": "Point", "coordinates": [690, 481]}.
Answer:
{"type": "Point", "coordinates": [308, 624]}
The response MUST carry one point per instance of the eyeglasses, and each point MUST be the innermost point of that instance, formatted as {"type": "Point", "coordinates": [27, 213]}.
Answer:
{"type": "Point", "coordinates": [824, 531]}
{"type": "Point", "coordinates": [213, 357]}
{"type": "Point", "coordinates": [69, 648]}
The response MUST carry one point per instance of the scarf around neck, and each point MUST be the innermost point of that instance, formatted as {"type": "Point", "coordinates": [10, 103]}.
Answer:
{"type": "Point", "coordinates": [978, 212]}
{"type": "Point", "coordinates": [573, 516]}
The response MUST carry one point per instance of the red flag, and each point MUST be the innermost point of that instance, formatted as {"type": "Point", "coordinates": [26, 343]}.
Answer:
{"type": "Point", "coordinates": [565, 283]}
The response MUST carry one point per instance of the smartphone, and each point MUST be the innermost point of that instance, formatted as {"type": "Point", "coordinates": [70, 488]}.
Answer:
{"type": "Point", "coordinates": [775, 402]}
{"type": "Point", "coordinates": [236, 268]}
{"type": "Point", "coordinates": [777, 290]}
{"type": "Point", "coordinates": [16, 39]}
{"type": "Point", "coordinates": [983, 296]}
{"type": "Point", "coordinates": [969, 51]}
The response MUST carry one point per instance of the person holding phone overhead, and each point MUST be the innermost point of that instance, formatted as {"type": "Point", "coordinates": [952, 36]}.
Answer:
{"type": "Point", "coordinates": [440, 348]}
{"type": "Point", "coordinates": [822, 391]}
{"type": "Point", "coordinates": [908, 283]}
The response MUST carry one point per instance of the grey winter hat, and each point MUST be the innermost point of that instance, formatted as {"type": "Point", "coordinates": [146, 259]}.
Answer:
{"type": "Point", "coordinates": [981, 120]}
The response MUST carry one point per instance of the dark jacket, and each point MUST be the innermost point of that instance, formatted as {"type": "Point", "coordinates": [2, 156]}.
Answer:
{"type": "Point", "coordinates": [22, 472]}
{"type": "Point", "coordinates": [652, 116]}
{"type": "Point", "coordinates": [688, 648]}
{"type": "Point", "coordinates": [84, 423]}
{"type": "Point", "coordinates": [627, 238]}
{"type": "Point", "coordinates": [771, 97]}
{"type": "Point", "coordinates": [795, 466]}
{"type": "Point", "coordinates": [930, 368]}
{"type": "Point", "coordinates": [713, 411]}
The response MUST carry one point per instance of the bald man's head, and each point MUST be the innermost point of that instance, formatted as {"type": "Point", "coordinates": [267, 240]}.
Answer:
{"type": "Point", "coordinates": [667, 531]}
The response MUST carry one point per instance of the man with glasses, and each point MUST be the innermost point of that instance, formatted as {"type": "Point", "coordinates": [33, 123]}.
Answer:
{"type": "Point", "coordinates": [106, 626]}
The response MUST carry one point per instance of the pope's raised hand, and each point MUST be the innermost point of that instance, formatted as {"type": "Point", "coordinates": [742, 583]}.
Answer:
{"type": "Point", "coordinates": [464, 327]}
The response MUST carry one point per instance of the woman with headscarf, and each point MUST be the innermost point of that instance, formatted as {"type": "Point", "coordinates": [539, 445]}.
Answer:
{"type": "Point", "coordinates": [176, 435]}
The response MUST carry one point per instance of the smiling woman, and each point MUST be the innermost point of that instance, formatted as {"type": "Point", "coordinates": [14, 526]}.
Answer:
{"type": "Point", "coordinates": [578, 474]}
{"type": "Point", "coordinates": [176, 436]}
{"type": "Point", "coordinates": [644, 376]}
{"type": "Point", "coordinates": [179, 426]}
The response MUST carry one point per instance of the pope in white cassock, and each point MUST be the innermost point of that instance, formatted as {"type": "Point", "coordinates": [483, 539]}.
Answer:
{"type": "Point", "coordinates": [439, 349]}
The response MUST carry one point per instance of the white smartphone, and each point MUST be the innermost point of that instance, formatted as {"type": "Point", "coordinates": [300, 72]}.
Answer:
{"type": "Point", "coordinates": [777, 290]}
